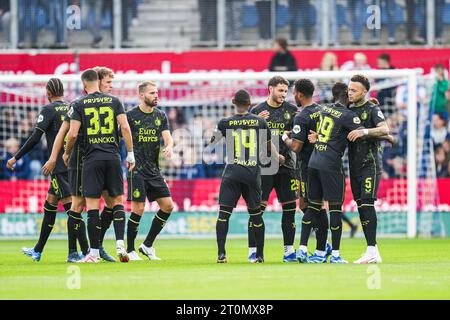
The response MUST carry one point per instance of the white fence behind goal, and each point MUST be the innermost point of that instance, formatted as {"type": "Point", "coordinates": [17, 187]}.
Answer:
{"type": "Point", "coordinates": [194, 103]}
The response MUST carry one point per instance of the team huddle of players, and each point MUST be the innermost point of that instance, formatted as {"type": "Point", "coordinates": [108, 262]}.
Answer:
{"type": "Point", "coordinates": [89, 167]}
{"type": "Point", "coordinates": [296, 150]}
{"type": "Point", "coordinates": [319, 136]}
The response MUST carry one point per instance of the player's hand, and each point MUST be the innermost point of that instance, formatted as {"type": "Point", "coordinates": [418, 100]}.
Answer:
{"type": "Point", "coordinates": [312, 136]}
{"type": "Point", "coordinates": [355, 134]}
{"type": "Point", "coordinates": [130, 162]}
{"type": "Point", "coordinates": [288, 133]}
{"type": "Point", "coordinates": [130, 165]}
{"type": "Point", "coordinates": [391, 140]}
{"type": "Point", "coordinates": [264, 114]}
{"type": "Point", "coordinates": [49, 166]}
{"type": "Point", "coordinates": [374, 101]}
{"type": "Point", "coordinates": [281, 160]}
{"type": "Point", "coordinates": [66, 158]}
{"type": "Point", "coordinates": [10, 164]}
{"type": "Point", "coordinates": [168, 152]}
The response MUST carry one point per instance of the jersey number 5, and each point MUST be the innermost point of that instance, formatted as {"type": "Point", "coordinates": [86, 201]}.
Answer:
{"type": "Point", "coordinates": [107, 127]}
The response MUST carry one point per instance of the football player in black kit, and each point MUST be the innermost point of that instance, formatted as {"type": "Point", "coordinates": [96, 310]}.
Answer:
{"type": "Point", "coordinates": [98, 116]}
{"type": "Point", "coordinates": [279, 115]}
{"type": "Point", "coordinates": [49, 121]}
{"type": "Point", "coordinates": [247, 135]}
{"type": "Point", "coordinates": [148, 125]}
{"type": "Point", "coordinates": [365, 161]}
{"type": "Point", "coordinates": [297, 140]}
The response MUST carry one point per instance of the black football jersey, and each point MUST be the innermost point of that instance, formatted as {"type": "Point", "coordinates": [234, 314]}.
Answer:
{"type": "Point", "coordinates": [336, 122]}
{"type": "Point", "coordinates": [146, 129]}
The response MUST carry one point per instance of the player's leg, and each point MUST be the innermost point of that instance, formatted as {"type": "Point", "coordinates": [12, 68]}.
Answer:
{"type": "Point", "coordinates": [75, 221]}
{"type": "Point", "coordinates": [267, 182]}
{"type": "Point", "coordinates": [334, 190]}
{"type": "Point", "coordinates": [157, 189]}
{"type": "Point", "coordinates": [229, 194]}
{"type": "Point", "coordinates": [106, 216]}
{"type": "Point", "coordinates": [252, 195]}
{"type": "Point", "coordinates": [368, 216]}
{"type": "Point", "coordinates": [159, 221]}
{"type": "Point", "coordinates": [137, 210]}
{"type": "Point", "coordinates": [61, 188]}
{"type": "Point", "coordinates": [287, 186]}
{"type": "Point", "coordinates": [114, 186]}
{"type": "Point", "coordinates": [93, 179]}
{"type": "Point", "coordinates": [353, 227]}
{"type": "Point", "coordinates": [315, 196]}
{"type": "Point", "coordinates": [137, 195]}
{"type": "Point", "coordinates": [50, 209]}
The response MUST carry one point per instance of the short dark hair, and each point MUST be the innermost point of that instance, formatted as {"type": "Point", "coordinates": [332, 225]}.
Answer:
{"type": "Point", "coordinates": [142, 86]}
{"type": "Point", "coordinates": [56, 87]}
{"type": "Point", "coordinates": [241, 97]}
{"type": "Point", "coordinates": [361, 79]}
{"type": "Point", "coordinates": [385, 57]}
{"type": "Point", "coordinates": [282, 42]}
{"type": "Point", "coordinates": [340, 91]}
{"type": "Point", "coordinates": [89, 75]}
{"type": "Point", "coordinates": [276, 80]}
{"type": "Point", "coordinates": [304, 86]}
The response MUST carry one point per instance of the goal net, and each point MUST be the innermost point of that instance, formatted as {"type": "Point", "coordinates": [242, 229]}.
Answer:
{"type": "Point", "coordinates": [194, 103]}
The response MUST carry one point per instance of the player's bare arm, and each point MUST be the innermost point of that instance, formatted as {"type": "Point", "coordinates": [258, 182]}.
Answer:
{"type": "Point", "coordinates": [293, 144]}
{"type": "Point", "coordinates": [126, 134]}
{"type": "Point", "coordinates": [71, 139]}
{"type": "Point", "coordinates": [49, 166]}
{"type": "Point", "coordinates": [381, 130]}
{"type": "Point", "coordinates": [168, 144]}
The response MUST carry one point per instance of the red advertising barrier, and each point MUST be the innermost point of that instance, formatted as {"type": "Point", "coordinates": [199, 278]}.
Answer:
{"type": "Point", "coordinates": [201, 195]}
{"type": "Point", "coordinates": [197, 61]}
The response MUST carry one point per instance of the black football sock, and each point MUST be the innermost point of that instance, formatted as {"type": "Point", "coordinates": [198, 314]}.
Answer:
{"type": "Point", "coordinates": [94, 229]}
{"type": "Point", "coordinates": [362, 217]}
{"type": "Point", "coordinates": [251, 234]}
{"type": "Point", "coordinates": [322, 229]}
{"type": "Point", "coordinates": [132, 230]}
{"type": "Point", "coordinates": [369, 223]}
{"type": "Point", "coordinates": [158, 224]}
{"type": "Point", "coordinates": [119, 221]}
{"type": "Point", "coordinates": [82, 236]}
{"type": "Point", "coordinates": [222, 228]}
{"type": "Point", "coordinates": [47, 225]}
{"type": "Point", "coordinates": [259, 230]}
{"type": "Point", "coordinates": [347, 221]}
{"type": "Point", "coordinates": [308, 222]}
{"type": "Point", "coordinates": [288, 223]}
{"type": "Point", "coordinates": [336, 225]}
{"type": "Point", "coordinates": [106, 218]}
{"type": "Point", "coordinates": [71, 232]}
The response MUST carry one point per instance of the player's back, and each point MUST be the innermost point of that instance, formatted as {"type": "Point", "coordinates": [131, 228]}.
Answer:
{"type": "Point", "coordinates": [307, 119]}
{"type": "Point", "coordinates": [98, 115]}
{"type": "Point", "coordinates": [244, 134]}
{"type": "Point", "coordinates": [336, 121]}
{"type": "Point", "coordinates": [49, 121]}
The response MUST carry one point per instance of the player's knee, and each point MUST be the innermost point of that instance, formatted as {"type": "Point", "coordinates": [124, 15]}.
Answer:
{"type": "Point", "coordinates": [168, 207]}
{"type": "Point", "coordinates": [52, 199]}
{"type": "Point", "coordinates": [224, 213]}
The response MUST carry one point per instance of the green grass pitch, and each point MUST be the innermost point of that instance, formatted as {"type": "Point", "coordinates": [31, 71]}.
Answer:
{"type": "Point", "coordinates": [411, 269]}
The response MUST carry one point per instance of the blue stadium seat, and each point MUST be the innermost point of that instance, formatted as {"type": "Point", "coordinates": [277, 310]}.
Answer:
{"type": "Point", "coordinates": [446, 13]}
{"type": "Point", "coordinates": [341, 15]}
{"type": "Point", "coordinates": [250, 14]}
{"type": "Point", "coordinates": [282, 16]}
